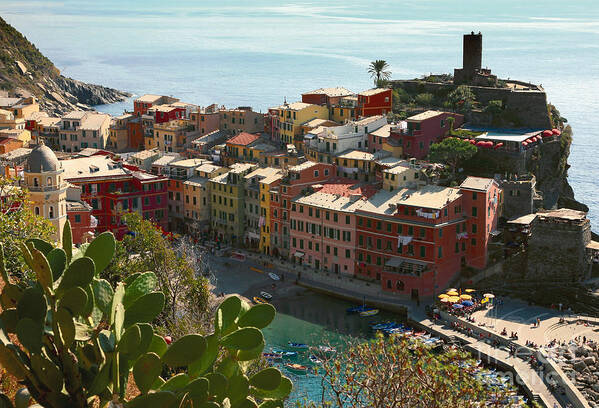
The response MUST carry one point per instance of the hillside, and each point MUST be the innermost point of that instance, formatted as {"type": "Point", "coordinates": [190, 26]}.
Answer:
{"type": "Point", "coordinates": [24, 70]}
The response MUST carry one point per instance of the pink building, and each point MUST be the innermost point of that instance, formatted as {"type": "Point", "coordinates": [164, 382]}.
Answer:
{"type": "Point", "coordinates": [323, 226]}
{"type": "Point", "coordinates": [423, 130]}
{"type": "Point", "coordinates": [482, 201]}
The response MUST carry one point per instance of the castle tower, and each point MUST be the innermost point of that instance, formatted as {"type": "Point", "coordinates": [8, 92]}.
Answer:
{"type": "Point", "coordinates": [48, 189]}
{"type": "Point", "coordinates": [473, 53]}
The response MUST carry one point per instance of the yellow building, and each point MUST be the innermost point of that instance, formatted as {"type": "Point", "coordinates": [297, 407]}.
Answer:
{"type": "Point", "coordinates": [169, 136]}
{"type": "Point", "coordinates": [228, 194]}
{"type": "Point", "coordinates": [266, 185]}
{"type": "Point", "coordinates": [196, 192]}
{"type": "Point", "coordinates": [407, 174]}
{"type": "Point", "coordinates": [21, 134]}
{"type": "Point", "coordinates": [292, 116]}
{"type": "Point", "coordinates": [345, 110]}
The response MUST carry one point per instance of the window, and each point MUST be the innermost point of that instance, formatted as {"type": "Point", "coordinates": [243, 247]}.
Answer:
{"type": "Point", "coordinates": [77, 218]}
{"type": "Point", "coordinates": [360, 221]}
{"type": "Point", "coordinates": [474, 196]}
{"type": "Point", "coordinates": [335, 217]}
{"type": "Point", "coordinates": [388, 227]}
{"type": "Point", "coordinates": [440, 252]}
{"type": "Point", "coordinates": [388, 284]}
{"type": "Point", "coordinates": [474, 211]}
{"type": "Point", "coordinates": [37, 211]}
{"type": "Point", "coordinates": [422, 251]}
{"type": "Point", "coordinates": [474, 228]}
{"type": "Point", "coordinates": [347, 253]}
{"type": "Point", "coordinates": [473, 242]}
{"type": "Point", "coordinates": [315, 173]}
{"type": "Point", "coordinates": [378, 244]}
{"type": "Point", "coordinates": [378, 225]}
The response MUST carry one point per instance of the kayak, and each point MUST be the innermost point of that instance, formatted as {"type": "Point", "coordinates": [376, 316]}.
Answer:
{"type": "Point", "coordinates": [370, 312]}
{"type": "Point", "coordinates": [297, 346]}
{"type": "Point", "coordinates": [274, 276]}
{"type": "Point", "coordinates": [272, 356]}
{"type": "Point", "coordinates": [258, 299]}
{"type": "Point", "coordinates": [296, 368]}
{"type": "Point", "coordinates": [314, 359]}
{"type": "Point", "coordinates": [266, 295]}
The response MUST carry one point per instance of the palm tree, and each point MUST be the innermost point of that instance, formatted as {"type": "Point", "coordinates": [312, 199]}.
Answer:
{"type": "Point", "coordinates": [379, 69]}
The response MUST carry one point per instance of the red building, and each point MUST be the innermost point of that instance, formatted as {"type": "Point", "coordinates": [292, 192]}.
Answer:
{"type": "Point", "coordinates": [414, 242]}
{"type": "Point", "coordinates": [378, 101]}
{"type": "Point", "coordinates": [423, 130]}
{"type": "Point", "coordinates": [166, 113]}
{"type": "Point", "coordinates": [83, 224]}
{"type": "Point", "coordinates": [135, 134]}
{"type": "Point", "coordinates": [326, 96]}
{"type": "Point", "coordinates": [142, 104]}
{"type": "Point", "coordinates": [111, 189]}
{"type": "Point", "coordinates": [299, 178]}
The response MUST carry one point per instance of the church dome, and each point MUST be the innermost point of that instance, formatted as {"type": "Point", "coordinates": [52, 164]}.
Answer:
{"type": "Point", "coordinates": [42, 159]}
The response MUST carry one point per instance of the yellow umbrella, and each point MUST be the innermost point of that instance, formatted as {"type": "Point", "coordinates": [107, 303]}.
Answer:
{"type": "Point", "coordinates": [445, 300]}
{"type": "Point", "coordinates": [470, 290]}
{"type": "Point", "coordinates": [443, 296]}
{"type": "Point", "coordinates": [454, 299]}
{"type": "Point", "coordinates": [465, 297]}
{"type": "Point", "coordinates": [453, 293]}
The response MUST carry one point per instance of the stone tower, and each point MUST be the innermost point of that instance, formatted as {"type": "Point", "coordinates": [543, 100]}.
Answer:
{"type": "Point", "coordinates": [472, 57]}
{"type": "Point", "coordinates": [47, 188]}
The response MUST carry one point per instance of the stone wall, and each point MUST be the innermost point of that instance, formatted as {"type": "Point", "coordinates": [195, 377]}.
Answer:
{"type": "Point", "coordinates": [518, 197]}
{"type": "Point", "coordinates": [527, 107]}
{"type": "Point", "coordinates": [556, 250]}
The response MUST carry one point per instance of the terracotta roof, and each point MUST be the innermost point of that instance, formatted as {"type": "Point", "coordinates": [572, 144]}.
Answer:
{"type": "Point", "coordinates": [243, 139]}
{"type": "Point", "coordinates": [477, 183]}
{"type": "Point", "coordinates": [346, 187]}
{"type": "Point", "coordinates": [373, 91]}
{"type": "Point", "coordinates": [338, 91]}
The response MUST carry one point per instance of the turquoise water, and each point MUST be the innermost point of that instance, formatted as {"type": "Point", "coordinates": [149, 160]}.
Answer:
{"type": "Point", "coordinates": [315, 320]}
{"type": "Point", "coordinates": [256, 53]}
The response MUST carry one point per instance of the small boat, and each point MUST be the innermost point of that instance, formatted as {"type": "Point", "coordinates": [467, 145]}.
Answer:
{"type": "Point", "coordinates": [274, 276]}
{"type": "Point", "coordinates": [314, 359]}
{"type": "Point", "coordinates": [273, 356]}
{"type": "Point", "coordinates": [266, 295]}
{"type": "Point", "coordinates": [326, 350]}
{"type": "Point", "coordinates": [357, 309]}
{"type": "Point", "coordinates": [258, 299]}
{"type": "Point", "coordinates": [296, 368]}
{"type": "Point", "coordinates": [286, 354]}
{"type": "Point", "coordinates": [370, 312]}
{"type": "Point", "coordinates": [297, 346]}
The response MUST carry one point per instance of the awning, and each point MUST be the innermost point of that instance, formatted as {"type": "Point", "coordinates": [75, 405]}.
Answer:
{"type": "Point", "coordinates": [299, 254]}
{"type": "Point", "coordinates": [394, 262]}
{"type": "Point", "coordinates": [495, 233]}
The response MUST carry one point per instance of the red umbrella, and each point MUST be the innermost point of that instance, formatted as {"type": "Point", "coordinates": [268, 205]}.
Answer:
{"type": "Point", "coordinates": [524, 143]}
{"type": "Point", "coordinates": [472, 141]}
{"type": "Point", "coordinates": [481, 143]}
{"type": "Point", "coordinates": [498, 145]}
{"type": "Point", "coordinates": [547, 133]}
{"type": "Point", "coordinates": [556, 132]}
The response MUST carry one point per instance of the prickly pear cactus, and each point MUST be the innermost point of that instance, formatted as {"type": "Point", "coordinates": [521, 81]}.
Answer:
{"type": "Point", "coordinates": [79, 339]}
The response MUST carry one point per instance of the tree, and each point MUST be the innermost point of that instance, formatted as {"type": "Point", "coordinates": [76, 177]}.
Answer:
{"type": "Point", "coordinates": [394, 372]}
{"type": "Point", "coordinates": [180, 269]}
{"type": "Point", "coordinates": [379, 70]}
{"type": "Point", "coordinates": [18, 223]}
{"type": "Point", "coordinates": [80, 339]}
{"type": "Point", "coordinates": [451, 151]}
{"type": "Point", "coordinates": [461, 98]}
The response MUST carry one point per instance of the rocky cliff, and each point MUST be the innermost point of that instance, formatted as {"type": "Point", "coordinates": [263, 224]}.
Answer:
{"type": "Point", "coordinates": [25, 71]}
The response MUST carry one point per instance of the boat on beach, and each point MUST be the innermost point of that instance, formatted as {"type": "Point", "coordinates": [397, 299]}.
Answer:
{"type": "Point", "coordinates": [296, 368]}
{"type": "Point", "coordinates": [285, 353]}
{"type": "Point", "coordinates": [274, 276]}
{"type": "Point", "coordinates": [314, 360]}
{"type": "Point", "coordinates": [297, 346]}
{"type": "Point", "coordinates": [266, 295]}
{"type": "Point", "coordinates": [369, 312]}
{"type": "Point", "coordinates": [258, 299]}
{"type": "Point", "coordinates": [273, 356]}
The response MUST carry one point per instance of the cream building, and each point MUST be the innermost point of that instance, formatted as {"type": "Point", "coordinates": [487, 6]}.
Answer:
{"type": "Point", "coordinates": [48, 189]}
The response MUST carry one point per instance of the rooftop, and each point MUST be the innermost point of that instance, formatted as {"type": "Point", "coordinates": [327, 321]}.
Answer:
{"type": "Point", "coordinates": [243, 139]}
{"type": "Point", "coordinates": [331, 201]}
{"type": "Point", "coordinates": [331, 92]}
{"type": "Point", "coordinates": [37, 116]}
{"type": "Point", "coordinates": [145, 154]}
{"type": "Point", "coordinates": [166, 159]}
{"type": "Point", "coordinates": [356, 155]}
{"type": "Point", "coordinates": [78, 206]}
{"type": "Point", "coordinates": [303, 166]}
{"type": "Point", "coordinates": [262, 173]}
{"type": "Point", "coordinates": [48, 121]}
{"type": "Point", "coordinates": [148, 98]}
{"type": "Point", "coordinates": [434, 197]}
{"type": "Point", "coordinates": [188, 163]}
{"type": "Point", "coordinates": [373, 91]}
{"type": "Point", "coordinates": [9, 102]}
{"type": "Point", "coordinates": [383, 131]}
{"type": "Point", "coordinates": [266, 147]}
{"type": "Point", "coordinates": [97, 166]}
{"type": "Point", "coordinates": [296, 106]}
{"type": "Point", "coordinates": [391, 161]}
{"type": "Point", "coordinates": [523, 220]}
{"type": "Point", "coordinates": [369, 119]}
{"type": "Point", "coordinates": [196, 181]}
{"type": "Point", "coordinates": [320, 122]}
{"type": "Point", "coordinates": [563, 214]}
{"type": "Point", "coordinates": [347, 187]}
{"type": "Point", "coordinates": [238, 168]}
{"type": "Point", "coordinates": [208, 167]}
{"type": "Point", "coordinates": [75, 115]}
{"type": "Point", "coordinates": [507, 135]}
{"type": "Point", "coordinates": [424, 115]}
{"type": "Point", "coordinates": [477, 183]}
